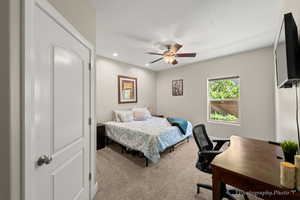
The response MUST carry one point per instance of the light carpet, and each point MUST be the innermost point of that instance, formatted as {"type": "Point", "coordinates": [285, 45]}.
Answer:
{"type": "Point", "coordinates": [125, 177]}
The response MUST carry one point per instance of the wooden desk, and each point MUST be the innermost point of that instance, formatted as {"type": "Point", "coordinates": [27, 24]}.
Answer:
{"type": "Point", "coordinates": [252, 166]}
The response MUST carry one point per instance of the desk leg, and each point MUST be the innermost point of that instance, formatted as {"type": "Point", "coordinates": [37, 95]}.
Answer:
{"type": "Point", "coordinates": [218, 185]}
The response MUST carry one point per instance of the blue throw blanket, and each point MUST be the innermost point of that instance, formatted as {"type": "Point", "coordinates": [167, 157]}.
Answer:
{"type": "Point", "coordinates": [182, 124]}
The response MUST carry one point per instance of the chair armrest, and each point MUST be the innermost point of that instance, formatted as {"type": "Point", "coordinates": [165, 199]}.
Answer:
{"type": "Point", "coordinates": [204, 160]}
{"type": "Point", "coordinates": [220, 142]}
{"type": "Point", "coordinates": [208, 155]}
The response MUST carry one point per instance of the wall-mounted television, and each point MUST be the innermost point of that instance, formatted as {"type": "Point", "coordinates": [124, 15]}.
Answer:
{"type": "Point", "coordinates": [287, 53]}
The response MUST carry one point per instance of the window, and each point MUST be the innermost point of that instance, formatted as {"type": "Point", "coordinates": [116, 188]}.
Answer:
{"type": "Point", "coordinates": [223, 99]}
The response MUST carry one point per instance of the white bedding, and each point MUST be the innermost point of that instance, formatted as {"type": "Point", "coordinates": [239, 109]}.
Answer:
{"type": "Point", "coordinates": [150, 136]}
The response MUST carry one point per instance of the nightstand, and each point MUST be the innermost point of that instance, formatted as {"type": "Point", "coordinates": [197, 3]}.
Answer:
{"type": "Point", "coordinates": [100, 136]}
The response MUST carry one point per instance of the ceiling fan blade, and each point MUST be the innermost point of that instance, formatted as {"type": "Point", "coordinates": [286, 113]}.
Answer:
{"type": "Point", "coordinates": [175, 47]}
{"type": "Point", "coordinates": [186, 55]}
{"type": "Point", "coordinates": [152, 53]}
{"type": "Point", "coordinates": [174, 62]}
{"type": "Point", "coordinates": [154, 61]}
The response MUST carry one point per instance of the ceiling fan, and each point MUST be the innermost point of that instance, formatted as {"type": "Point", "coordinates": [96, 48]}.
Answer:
{"type": "Point", "coordinates": [170, 55]}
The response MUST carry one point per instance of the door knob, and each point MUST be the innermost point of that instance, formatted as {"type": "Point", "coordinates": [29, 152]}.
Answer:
{"type": "Point", "coordinates": [44, 160]}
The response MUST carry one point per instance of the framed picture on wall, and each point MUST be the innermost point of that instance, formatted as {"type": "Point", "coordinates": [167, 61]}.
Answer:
{"type": "Point", "coordinates": [127, 89]}
{"type": "Point", "coordinates": [177, 87]}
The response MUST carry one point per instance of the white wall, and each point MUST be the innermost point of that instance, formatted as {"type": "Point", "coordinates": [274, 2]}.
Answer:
{"type": "Point", "coordinates": [80, 13]}
{"type": "Point", "coordinates": [285, 98]}
{"type": "Point", "coordinates": [10, 100]}
{"type": "Point", "coordinates": [4, 105]}
{"type": "Point", "coordinates": [255, 69]}
{"type": "Point", "coordinates": [107, 87]}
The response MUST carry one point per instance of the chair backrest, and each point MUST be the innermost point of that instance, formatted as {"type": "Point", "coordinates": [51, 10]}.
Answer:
{"type": "Point", "coordinates": [202, 140]}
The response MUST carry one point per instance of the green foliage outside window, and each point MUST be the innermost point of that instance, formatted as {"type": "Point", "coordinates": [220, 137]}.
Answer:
{"type": "Point", "coordinates": [224, 89]}
{"type": "Point", "coordinates": [218, 116]}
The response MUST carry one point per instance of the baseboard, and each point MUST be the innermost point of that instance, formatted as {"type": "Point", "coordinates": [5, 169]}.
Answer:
{"type": "Point", "coordinates": [94, 190]}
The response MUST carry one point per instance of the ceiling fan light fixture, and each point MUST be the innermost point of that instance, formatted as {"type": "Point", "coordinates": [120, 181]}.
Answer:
{"type": "Point", "coordinates": [169, 59]}
{"type": "Point", "coordinates": [170, 55]}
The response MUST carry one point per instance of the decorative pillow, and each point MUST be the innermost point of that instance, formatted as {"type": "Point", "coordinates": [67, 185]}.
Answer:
{"type": "Point", "coordinates": [144, 110]}
{"type": "Point", "coordinates": [126, 116]}
{"type": "Point", "coordinates": [139, 116]}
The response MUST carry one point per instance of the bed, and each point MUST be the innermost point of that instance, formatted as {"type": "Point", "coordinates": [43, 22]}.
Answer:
{"type": "Point", "coordinates": [150, 137]}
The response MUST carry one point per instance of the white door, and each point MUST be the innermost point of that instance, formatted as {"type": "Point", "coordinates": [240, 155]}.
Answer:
{"type": "Point", "coordinates": [60, 102]}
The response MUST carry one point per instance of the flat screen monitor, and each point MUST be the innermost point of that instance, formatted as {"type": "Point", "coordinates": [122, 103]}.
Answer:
{"type": "Point", "coordinates": [287, 53]}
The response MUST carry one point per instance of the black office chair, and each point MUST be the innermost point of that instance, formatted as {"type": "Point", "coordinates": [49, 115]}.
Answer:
{"type": "Point", "coordinates": [207, 152]}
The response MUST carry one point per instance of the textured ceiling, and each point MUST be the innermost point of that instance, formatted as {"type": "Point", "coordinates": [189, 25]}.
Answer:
{"type": "Point", "coordinates": [211, 28]}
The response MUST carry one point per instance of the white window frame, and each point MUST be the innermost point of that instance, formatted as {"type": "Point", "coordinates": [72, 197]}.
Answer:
{"type": "Point", "coordinates": [236, 123]}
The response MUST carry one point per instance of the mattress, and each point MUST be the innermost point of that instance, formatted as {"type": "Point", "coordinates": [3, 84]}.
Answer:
{"type": "Point", "coordinates": [150, 137]}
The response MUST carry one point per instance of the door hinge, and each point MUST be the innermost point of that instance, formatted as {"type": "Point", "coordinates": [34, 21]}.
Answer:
{"type": "Point", "coordinates": [90, 176]}
{"type": "Point", "coordinates": [90, 66]}
{"type": "Point", "coordinates": [90, 121]}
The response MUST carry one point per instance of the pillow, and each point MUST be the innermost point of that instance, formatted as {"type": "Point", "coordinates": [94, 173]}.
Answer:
{"type": "Point", "coordinates": [126, 116]}
{"type": "Point", "coordinates": [116, 114]}
{"type": "Point", "coordinates": [139, 116]}
{"type": "Point", "coordinates": [144, 110]}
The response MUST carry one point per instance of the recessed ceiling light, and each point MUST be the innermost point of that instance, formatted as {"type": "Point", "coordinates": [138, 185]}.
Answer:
{"type": "Point", "coordinates": [147, 64]}
{"type": "Point", "coordinates": [115, 54]}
